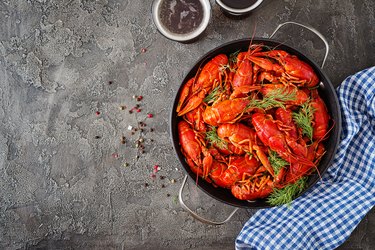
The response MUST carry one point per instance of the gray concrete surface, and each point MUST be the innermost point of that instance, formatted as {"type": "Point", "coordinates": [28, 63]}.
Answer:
{"type": "Point", "coordinates": [60, 187]}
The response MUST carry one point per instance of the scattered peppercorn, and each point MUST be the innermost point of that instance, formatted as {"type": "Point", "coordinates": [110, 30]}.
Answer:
{"type": "Point", "coordinates": [130, 111]}
{"type": "Point", "coordinates": [146, 184]}
{"type": "Point", "coordinates": [151, 130]}
{"type": "Point", "coordinates": [168, 195]}
{"type": "Point", "coordinates": [143, 50]}
{"type": "Point", "coordinates": [97, 137]}
{"type": "Point", "coordinates": [156, 167]}
{"type": "Point", "coordinates": [162, 185]}
{"type": "Point", "coordinates": [150, 115]}
{"type": "Point", "coordinates": [122, 107]}
{"type": "Point", "coordinates": [110, 82]}
{"type": "Point", "coordinates": [123, 140]}
{"type": "Point", "coordinates": [133, 133]}
{"type": "Point", "coordinates": [141, 130]}
{"type": "Point", "coordinates": [139, 98]}
{"type": "Point", "coordinates": [97, 112]}
{"type": "Point", "coordinates": [162, 177]}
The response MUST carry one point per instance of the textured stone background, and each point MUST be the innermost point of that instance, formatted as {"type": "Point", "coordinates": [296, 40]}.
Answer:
{"type": "Point", "coordinates": [60, 188]}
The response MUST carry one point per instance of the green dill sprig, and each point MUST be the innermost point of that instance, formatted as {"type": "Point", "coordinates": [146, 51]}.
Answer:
{"type": "Point", "coordinates": [214, 139]}
{"type": "Point", "coordinates": [265, 103]}
{"type": "Point", "coordinates": [288, 193]}
{"type": "Point", "coordinates": [213, 95]}
{"type": "Point", "coordinates": [274, 98]}
{"type": "Point", "coordinates": [276, 162]}
{"type": "Point", "coordinates": [303, 119]}
{"type": "Point", "coordinates": [232, 60]}
{"type": "Point", "coordinates": [233, 57]}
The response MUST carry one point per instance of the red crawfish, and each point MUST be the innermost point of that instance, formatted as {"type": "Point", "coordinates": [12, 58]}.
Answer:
{"type": "Point", "coordinates": [267, 76]}
{"type": "Point", "coordinates": [320, 117]}
{"type": "Point", "coordinates": [243, 75]}
{"type": "Point", "coordinates": [227, 111]}
{"type": "Point", "coordinates": [239, 168]}
{"type": "Point", "coordinates": [289, 66]}
{"type": "Point", "coordinates": [268, 132]}
{"type": "Point", "coordinates": [295, 95]}
{"type": "Point", "coordinates": [185, 92]}
{"type": "Point", "coordinates": [287, 125]}
{"type": "Point", "coordinates": [229, 149]}
{"type": "Point", "coordinates": [297, 170]}
{"type": "Point", "coordinates": [195, 117]}
{"type": "Point", "coordinates": [251, 189]}
{"type": "Point", "coordinates": [300, 96]}
{"type": "Point", "coordinates": [196, 90]}
{"type": "Point", "coordinates": [217, 170]}
{"type": "Point", "coordinates": [238, 134]}
{"type": "Point", "coordinates": [244, 137]}
{"type": "Point", "coordinates": [193, 148]}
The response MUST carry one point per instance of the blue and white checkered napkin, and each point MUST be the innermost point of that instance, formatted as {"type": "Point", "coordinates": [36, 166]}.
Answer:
{"type": "Point", "coordinates": [325, 216]}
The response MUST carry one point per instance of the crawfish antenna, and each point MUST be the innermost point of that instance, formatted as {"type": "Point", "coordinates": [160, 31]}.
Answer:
{"type": "Point", "coordinates": [329, 130]}
{"type": "Point", "coordinates": [252, 37]}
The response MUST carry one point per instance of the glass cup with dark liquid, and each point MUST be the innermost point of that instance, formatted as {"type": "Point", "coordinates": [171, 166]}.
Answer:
{"type": "Point", "coordinates": [181, 20]}
{"type": "Point", "coordinates": [238, 8]}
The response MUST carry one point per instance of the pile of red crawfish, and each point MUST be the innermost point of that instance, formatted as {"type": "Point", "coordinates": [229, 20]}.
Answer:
{"type": "Point", "coordinates": [253, 121]}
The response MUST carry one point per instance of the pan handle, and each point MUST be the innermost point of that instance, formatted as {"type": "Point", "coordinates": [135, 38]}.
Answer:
{"type": "Point", "coordinates": [312, 30]}
{"type": "Point", "coordinates": [196, 216]}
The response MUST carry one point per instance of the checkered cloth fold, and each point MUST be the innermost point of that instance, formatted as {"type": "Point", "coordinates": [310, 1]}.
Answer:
{"type": "Point", "coordinates": [325, 216]}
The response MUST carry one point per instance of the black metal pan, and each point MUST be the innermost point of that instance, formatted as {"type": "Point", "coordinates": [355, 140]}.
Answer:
{"type": "Point", "coordinates": [326, 91]}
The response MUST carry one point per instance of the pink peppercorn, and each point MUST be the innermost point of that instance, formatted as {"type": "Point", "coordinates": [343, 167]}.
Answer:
{"type": "Point", "coordinates": [156, 168]}
{"type": "Point", "coordinates": [150, 115]}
